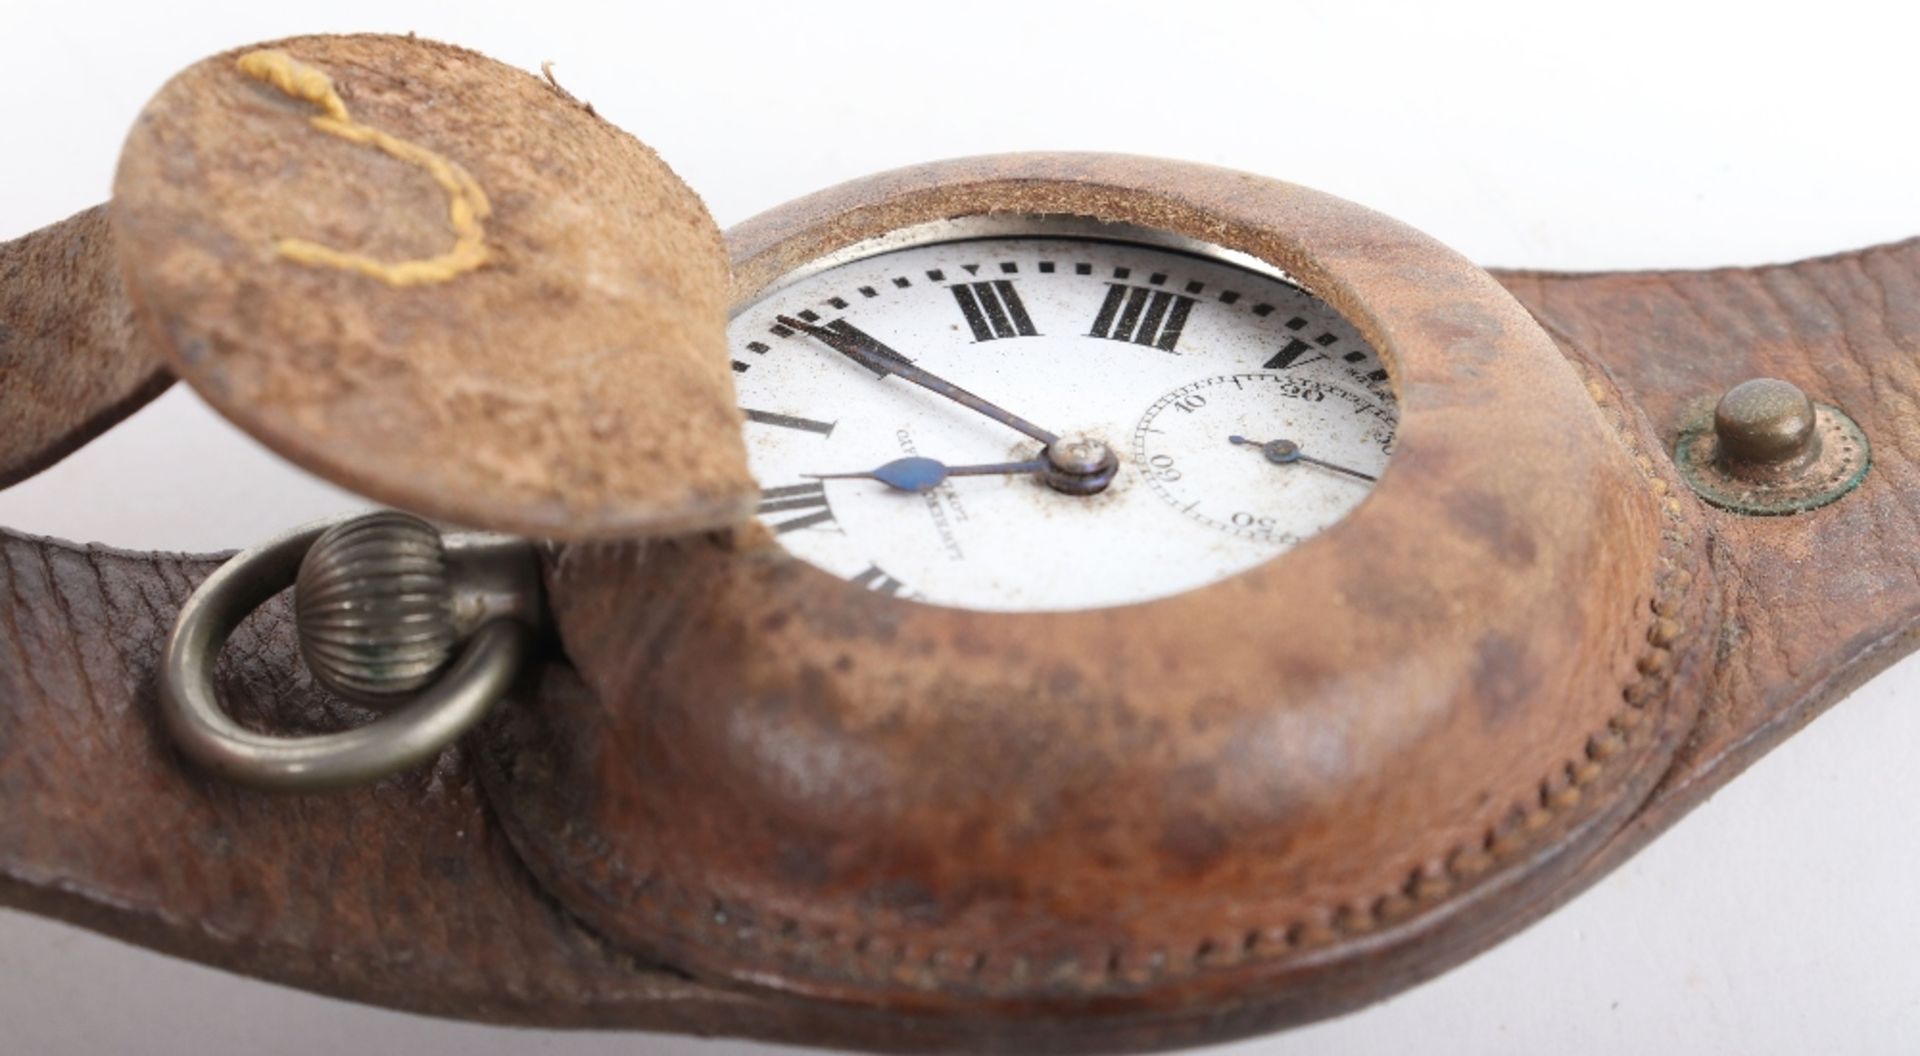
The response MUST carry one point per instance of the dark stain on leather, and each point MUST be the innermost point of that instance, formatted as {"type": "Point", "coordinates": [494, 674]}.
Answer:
{"type": "Point", "coordinates": [1191, 845]}
{"type": "Point", "coordinates": [800, 863]}
{"type": "Point", "coordinates": [1487, 518]}
{"type": "Point", "coordinates": [1505, 676]}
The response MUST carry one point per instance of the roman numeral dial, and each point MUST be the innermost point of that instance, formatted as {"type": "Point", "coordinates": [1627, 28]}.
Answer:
{"type": "Point", "coordinates": [993, 309]}
{"type": "Point", "coordinates": [1142, 315]}
{"type": "Point", "coordinates": [1289, 355]}
{"type": "Point", "coordinates": [883, 386]}
{"type": "Point", "coordinates": [789, 421]}
{"type": "Point", "coordinates": [796, 506]}
{"type": "Point", "coordinates": [877, 580]}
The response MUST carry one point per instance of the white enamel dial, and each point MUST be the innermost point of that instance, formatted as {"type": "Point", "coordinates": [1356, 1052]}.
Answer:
{"type": "Point", "coordinates": [1243, 413]}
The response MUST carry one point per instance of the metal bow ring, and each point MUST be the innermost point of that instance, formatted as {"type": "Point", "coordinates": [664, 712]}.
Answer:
{"type": "Point", "coordinates": [382, 602]}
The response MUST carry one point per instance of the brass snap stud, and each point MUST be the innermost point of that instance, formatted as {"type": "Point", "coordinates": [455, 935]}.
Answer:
{"type": "Point", "coordinates": [1767, 449]}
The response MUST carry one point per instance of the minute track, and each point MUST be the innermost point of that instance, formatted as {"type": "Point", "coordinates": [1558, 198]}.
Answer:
{"type": "Point", "coordinates": [1375, 378]}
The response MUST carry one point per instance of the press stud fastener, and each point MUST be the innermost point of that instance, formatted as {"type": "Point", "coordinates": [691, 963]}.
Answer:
{"type": "Point", "coordinates": [1767, 449]}
{"type": "Point", "coordinates": [1765, 422]}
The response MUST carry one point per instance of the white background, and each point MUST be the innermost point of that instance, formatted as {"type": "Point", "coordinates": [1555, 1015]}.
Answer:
{"type": "Point", "coordinates": [1779, 918]}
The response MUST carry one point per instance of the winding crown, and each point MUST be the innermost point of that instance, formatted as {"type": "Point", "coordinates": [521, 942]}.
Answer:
{"type": "Point", "coordinates": [374, 607]}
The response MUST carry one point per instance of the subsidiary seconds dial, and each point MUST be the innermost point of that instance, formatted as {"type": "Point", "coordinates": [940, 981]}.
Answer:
{"type": "Point", "coordinates": [1324, 446]}
{"type": "Point", "coordinates": [1052, 420]}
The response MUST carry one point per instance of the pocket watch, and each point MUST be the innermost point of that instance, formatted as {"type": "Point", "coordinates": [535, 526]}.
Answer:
{"type": "Point", "coordinates": [1049, 602]}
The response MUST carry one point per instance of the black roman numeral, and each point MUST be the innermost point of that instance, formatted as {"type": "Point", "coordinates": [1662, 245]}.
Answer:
{"type": "Point", "coordinates": [1289, 355]}
{"type": "Point", "coordinates": [1295, 348]}
{"type": "Point", "coordinates": [993, 309]}
{"type": "Point", "coordinates": [788, 421]}
{"type": "Point", "coordinates": [807, 500]}
{"type": "Point", "coordinates": [878, 581]}
{"type": "Point", "coordinates": [1142, 315]}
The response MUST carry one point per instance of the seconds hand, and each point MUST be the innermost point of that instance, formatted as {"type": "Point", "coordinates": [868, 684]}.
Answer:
{"type": "Point", "coordinates": [1281, 452]}
{"type": "Point", "coordinates": [858, 351]}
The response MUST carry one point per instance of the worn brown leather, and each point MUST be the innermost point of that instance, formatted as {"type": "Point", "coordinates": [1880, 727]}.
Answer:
{"type": "Point", "coordinates": [71, 363]}
{"type": "Point", "coordinates": [576, 385]}
{"type": "Point", "coordinates": [409, 893]}
{"type": "Point", "coordinates": [1224, 803]}
{"type": "Point", "coordinates": [402, 894]}
{"type": "Point", "coordinates": [1815, 604]}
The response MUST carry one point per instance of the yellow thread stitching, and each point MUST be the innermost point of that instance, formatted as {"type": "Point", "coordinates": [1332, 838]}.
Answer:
{"type": "Point", "coordinates": [466, 204]}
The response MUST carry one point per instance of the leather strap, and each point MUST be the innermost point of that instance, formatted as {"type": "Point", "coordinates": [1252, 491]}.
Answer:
{"type": "Point", "coordinates": [404, 894]}
{"type": "Point", "coordinates": [407, 894]}
{"type": "Point", "coordinates": [401, 893]}
{"type": "Point", "coordinates": [71, 360]}
{"type": "Point", "coordinates": [1815, 604]}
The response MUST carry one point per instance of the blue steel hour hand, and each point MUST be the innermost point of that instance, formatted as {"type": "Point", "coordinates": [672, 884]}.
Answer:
{"type": "Point", "coordinates": [925, 474]}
